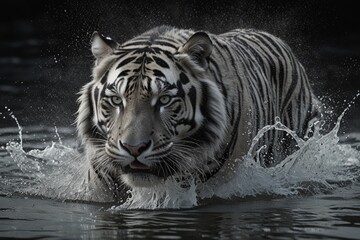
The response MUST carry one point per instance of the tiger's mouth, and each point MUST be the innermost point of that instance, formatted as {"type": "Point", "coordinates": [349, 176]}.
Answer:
{"type": "Point", "coordinates": [137, 174]}
{"type": "Point", "coordinates": [159, 170]}
{"type": "Point", "coordinates": [137, 167]}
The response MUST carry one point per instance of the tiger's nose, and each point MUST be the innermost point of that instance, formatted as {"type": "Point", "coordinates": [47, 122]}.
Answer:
{"type": "Point", "coordinates": [135, 150]}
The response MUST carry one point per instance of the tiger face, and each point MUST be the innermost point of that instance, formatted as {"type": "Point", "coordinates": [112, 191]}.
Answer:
{"type": "Point", "coordinates": [151, 111]}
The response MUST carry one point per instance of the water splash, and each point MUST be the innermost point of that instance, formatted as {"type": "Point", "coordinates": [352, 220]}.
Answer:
{"type": "Point", "coordinates": [57, 172]}
{"type": "Point", "coordinates": [167, 195]}
{"type": "Point", "coordinates": [11, 114]}
{"type": "Point", "coordinates": [57, 135]}
{"type": "Point", "coordinates": [320, 165]}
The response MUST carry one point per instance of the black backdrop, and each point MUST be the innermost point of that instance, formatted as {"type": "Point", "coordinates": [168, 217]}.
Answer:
{"type": "Point", "coordinates": [45, 57]}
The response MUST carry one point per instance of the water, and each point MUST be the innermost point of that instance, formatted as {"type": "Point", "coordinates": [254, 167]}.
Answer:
{"type": "Point", "coordinates": [44, 193]}
{"type": "Point", "coordinates": [315, 217]}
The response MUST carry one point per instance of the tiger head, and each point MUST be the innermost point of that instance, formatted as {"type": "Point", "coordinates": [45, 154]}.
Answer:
{"type": "Point", "coordinates": [151, 110]}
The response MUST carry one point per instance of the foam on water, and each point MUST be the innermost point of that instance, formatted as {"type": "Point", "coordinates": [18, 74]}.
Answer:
{"type": "Point", "coordinates": [320, 165]}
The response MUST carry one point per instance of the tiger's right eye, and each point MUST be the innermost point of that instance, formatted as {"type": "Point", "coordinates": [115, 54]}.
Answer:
{"type": "Point", "coordinates": [116, 100]}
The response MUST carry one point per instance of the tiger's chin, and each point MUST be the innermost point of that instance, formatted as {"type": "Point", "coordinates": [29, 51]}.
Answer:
{"type": "Point", "coordinates": [141, 179]}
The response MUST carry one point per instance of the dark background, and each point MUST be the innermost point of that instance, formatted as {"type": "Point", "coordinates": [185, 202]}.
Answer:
{"type": "Point", "coordinates": [45, 56]}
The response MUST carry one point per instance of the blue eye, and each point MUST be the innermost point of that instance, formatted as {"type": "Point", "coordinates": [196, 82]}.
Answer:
{"type": "Point", "coordinates": [164, 99]}
{"type": "Point", "coordinates": [116, 100]}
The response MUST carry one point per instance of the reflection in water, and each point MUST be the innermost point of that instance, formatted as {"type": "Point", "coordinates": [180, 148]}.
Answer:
{"type": "Point", "coordinates": [310, 217]}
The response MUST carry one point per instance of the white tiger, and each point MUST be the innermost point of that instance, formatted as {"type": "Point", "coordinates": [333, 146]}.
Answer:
{"type": "Point", "coordinates": [174, 103]}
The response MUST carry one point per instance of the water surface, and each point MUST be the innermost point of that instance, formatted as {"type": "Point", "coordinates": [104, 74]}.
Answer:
{"type": "Point", "coordinates": [42, 195]}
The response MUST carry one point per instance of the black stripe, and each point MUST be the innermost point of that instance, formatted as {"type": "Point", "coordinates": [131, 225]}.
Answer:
{"type": "Point", "coordinates": [160, 62]}
{"type": "Point", "coordinates": [158, 73]}
{"type": "Point", "coordinates": [192, 97]}
{"type": "Point", "coordinates": [205, 134]}
{"type": "Point", "coordinates": [183, 78]}
{"type": "Point", "coordinates": [89, 124]}
{"type": "Point", "coordinates": [125, 61]}
{"type": "Point", "coordinates": [134, 43]}
{"type": "Point", "coordinates": [180, 93]}
{"type": "Point", "coordinates": [163, 43]}
{"type": "Point", "coordinates": [123, 73]}
{"type": "Point", "coordinates": [291, 89]}
{"type": "Point", "coordinates": [104, 78]}
{"type": "Point", "coordinates": [229, 150]}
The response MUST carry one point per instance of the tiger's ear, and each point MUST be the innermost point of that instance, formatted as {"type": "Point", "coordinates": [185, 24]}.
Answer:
{"type": "Point", "coordinates": [102, 46]}
{"type": "Point", "coordinates": [198, 47]}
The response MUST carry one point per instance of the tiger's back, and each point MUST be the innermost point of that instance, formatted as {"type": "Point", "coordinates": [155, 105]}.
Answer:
{"type": "Point", "coordinates": [270, 82]}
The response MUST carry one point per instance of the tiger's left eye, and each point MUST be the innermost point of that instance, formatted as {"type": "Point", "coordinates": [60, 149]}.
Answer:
{"type": "Point", "coordinates": [164, 99]}
{"type": "Point", "coordinates": [116, 100]}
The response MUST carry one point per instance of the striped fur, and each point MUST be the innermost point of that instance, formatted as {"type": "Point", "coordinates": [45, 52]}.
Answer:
{"type": "Point", "coordinates": [196, 99]}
